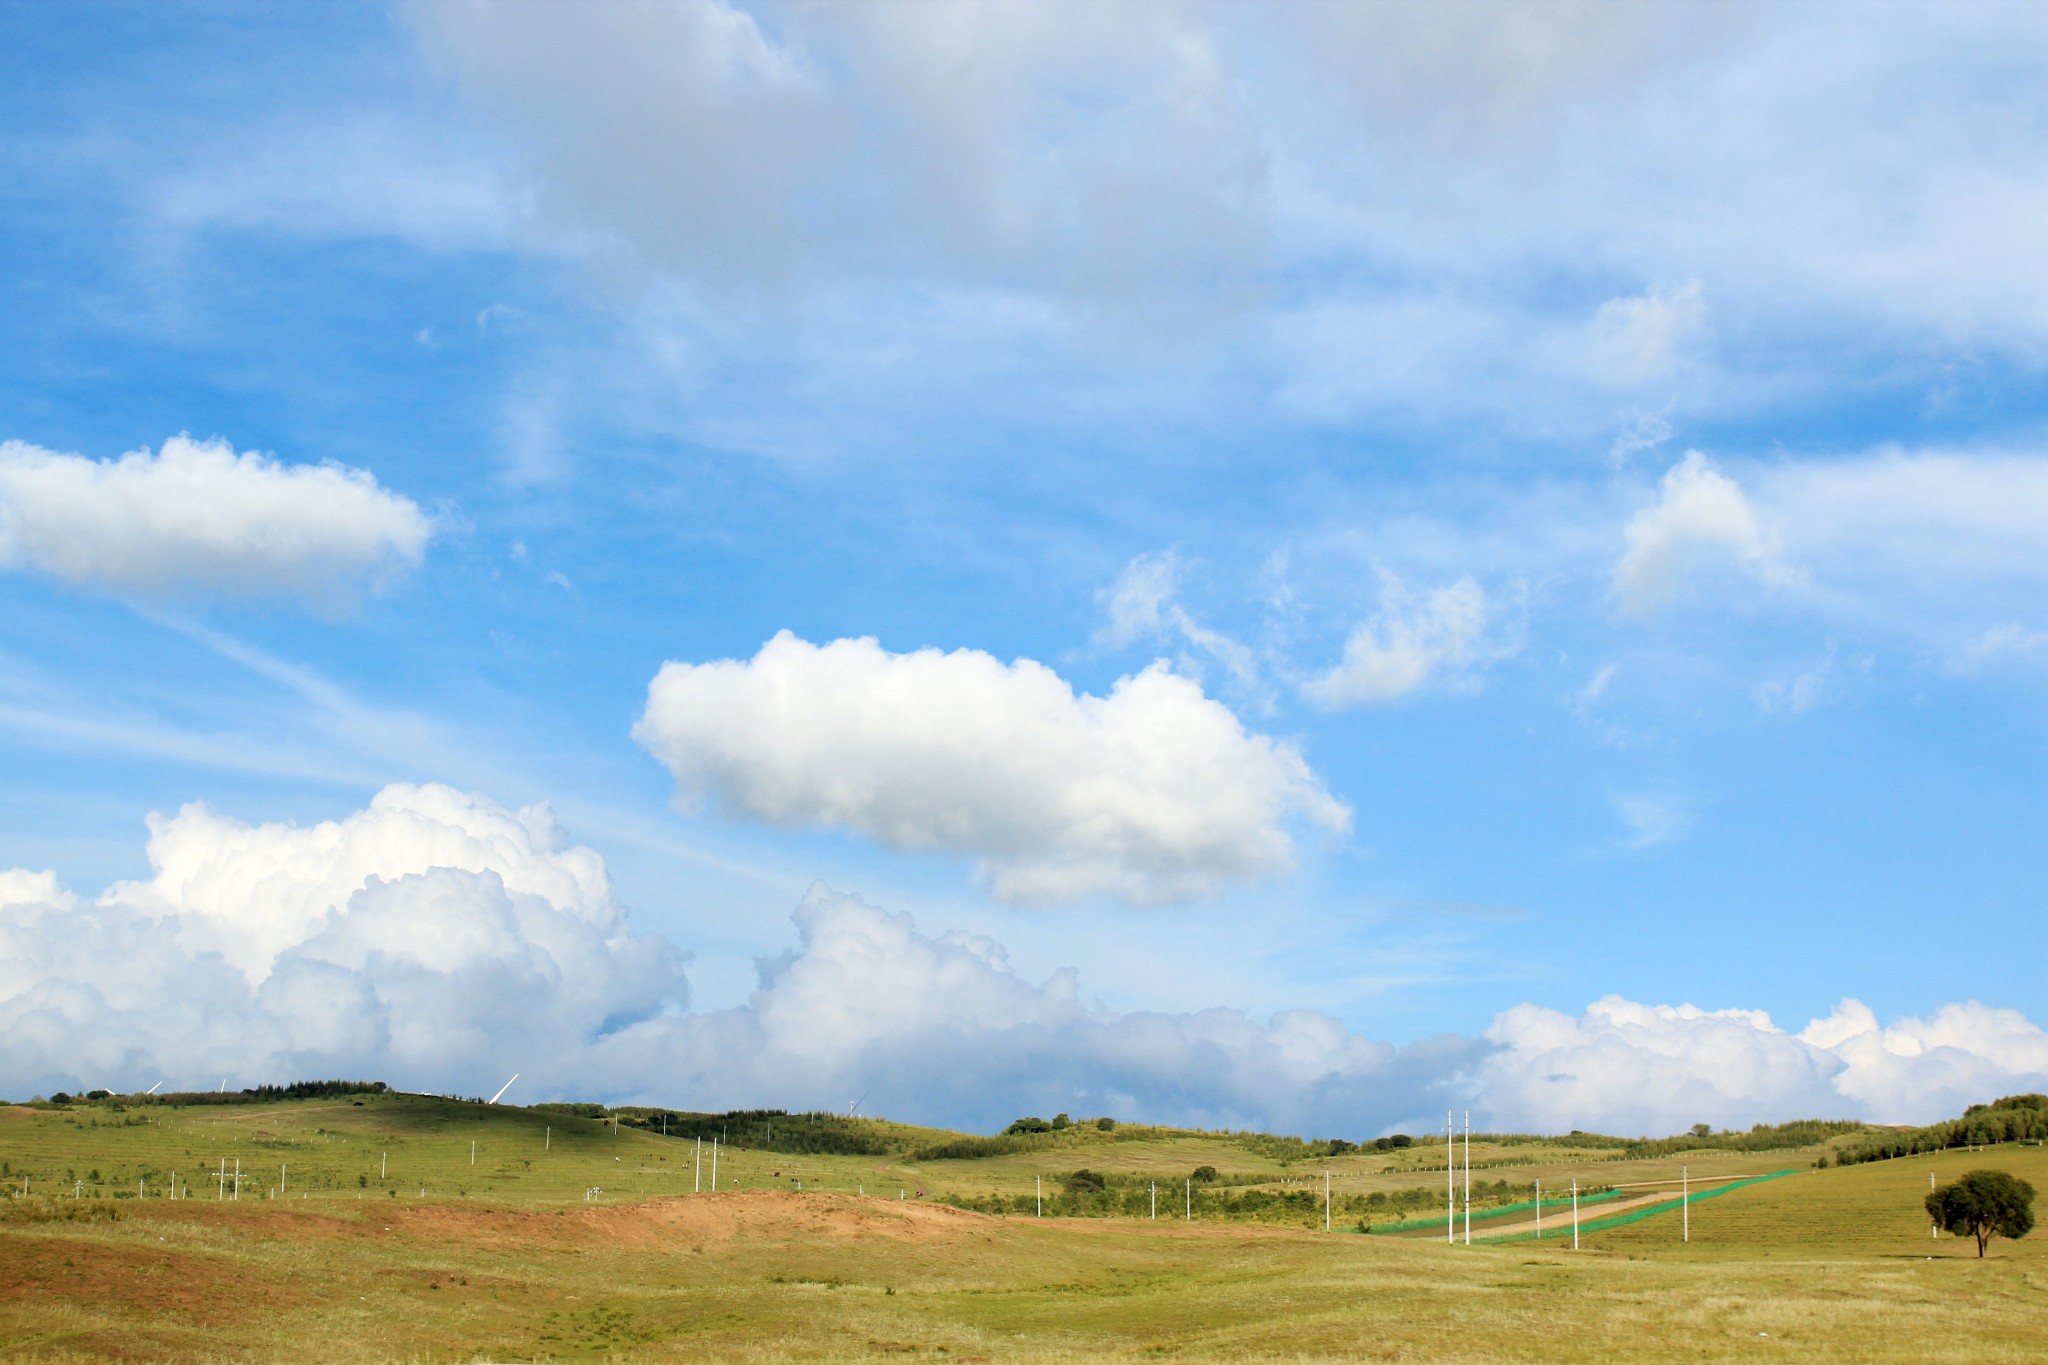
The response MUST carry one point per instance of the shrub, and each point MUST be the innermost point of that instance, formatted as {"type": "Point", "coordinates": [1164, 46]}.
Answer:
{"type": "Point", "coordinates": [573, 1108]}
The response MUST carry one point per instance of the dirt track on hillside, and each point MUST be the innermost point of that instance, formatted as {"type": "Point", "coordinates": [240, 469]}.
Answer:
{"type": "Point", "coordinates": [1557, 1219]}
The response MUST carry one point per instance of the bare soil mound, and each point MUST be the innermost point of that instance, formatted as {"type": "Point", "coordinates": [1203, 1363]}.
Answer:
{"type": "Point", "coordinates": [687, 1220]}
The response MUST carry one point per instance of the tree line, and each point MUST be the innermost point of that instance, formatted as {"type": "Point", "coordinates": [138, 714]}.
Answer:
{"type": "Point", "coordinates": [2016, 1118]}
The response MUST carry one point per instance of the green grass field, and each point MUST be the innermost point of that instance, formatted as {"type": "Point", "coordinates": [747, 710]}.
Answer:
{"type": "Point", "coordinates": [507, 1259]}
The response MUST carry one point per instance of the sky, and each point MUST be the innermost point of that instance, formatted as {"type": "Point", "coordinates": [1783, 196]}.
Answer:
{"type": "Point", "coordinates": [1288, 567]}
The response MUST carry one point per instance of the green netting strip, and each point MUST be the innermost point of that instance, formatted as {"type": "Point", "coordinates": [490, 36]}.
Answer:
{"type": "Point", "coordinates": [1496, 1211]}
{"type": "Point", "coordinates": [1647, 1211]}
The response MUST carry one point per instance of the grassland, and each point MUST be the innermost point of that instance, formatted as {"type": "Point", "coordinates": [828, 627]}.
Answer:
{"type": "Point", "coordinates": [512, 1258]}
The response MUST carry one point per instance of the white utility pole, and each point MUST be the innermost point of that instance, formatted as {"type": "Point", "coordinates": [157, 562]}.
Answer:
{"type": "Point", "coordinates": [1450, 1179]}
{"type": "Point", "coordinates": [220, 1185]}
{"type": "Point", "coordinates": [1539, 1208]}
{"type": "Point", "coordinates": [472, 1151]}
{"type": "Point", "coordinates": [1041, 1196]}
{"type": "Point", "coordinates": [547, 1138]}
{"type": "Point", "coordinates": [1575, 1215]}
{"type": "Point", "coordinates": [714, 1165]}
{"type": "Point", "coordinates": [238, 1177]}
{"type": "Point", "coordinates": [383, 1164]}
{"type": "Point", "coordinates": [1326, 1201]}
{"type": "Point", "coordinates": [1155, 1201]}
{"type": "Point", "coordinates": [280, 1177]}
{"type": "Point", "coordinates": [1933, 1228]}
{"type": "Point", "coordinates": [698, 1186]}
{"type": "Point", "coordinates": [1468, 1177]}
{"type": "Point", "coordinates": [1684, 1205]}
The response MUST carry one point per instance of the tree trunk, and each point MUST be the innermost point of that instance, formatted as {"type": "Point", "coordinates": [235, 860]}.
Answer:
{"type": "Point", "coordinates": [1982, 1238]}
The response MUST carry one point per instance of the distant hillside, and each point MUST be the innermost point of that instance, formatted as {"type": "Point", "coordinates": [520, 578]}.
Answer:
{"type": "Point", "coordinates": [822, 1133]}
{"type": "Point", "coordinates": [2016, 1118]}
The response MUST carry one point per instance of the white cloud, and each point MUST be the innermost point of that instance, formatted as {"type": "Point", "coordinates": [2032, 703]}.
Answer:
{"type": "Point", "coordinates": [1642, 1069]}
{"type": "Point", "coordinates": [1140, 602]}
{"type": "Point", "coordinates": [1908, 515]}
{"type": "Point", "coordinates": [1652, 817]}
{"type": "Point", "coordinates": [1411, 638]}
{"type": "Point", "coordinates": [1947, 545]}
{"type": "Point", "coordinates": [434, 936]}
{"type": "Point", "coordinates": [1099, 149]}
{"type": "Point", "coordinates": [2005, 642]}
{"type": "Point", "coordinates": [440, 941]}
{"type": "Point", "coordinates": [1700, 515]}
{"type": "Point", "coordinates": [1154, 793]}
{"type": "Point", "coordinates": [1917, 1070]}
{"type": "Point", "coordinates": [1640, 431]}
{"type": "Point", "coordinates": [943, 1025]}
{"type": "Point", "coordinates": [195, 515]}
{"type": "Point", "coordinates": [1795, 695]}
{"type": "Point", "coordinates": [1070, 145]}
{"type": "Point", "coordinates": [1142, 606]}
{"type": "Point", "coordinates": [250, 893]}
{"type": "Point", "coordinates": [1636, 339]}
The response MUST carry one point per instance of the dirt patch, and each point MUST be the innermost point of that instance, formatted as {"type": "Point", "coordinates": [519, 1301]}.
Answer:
{"type": "Point", "coordinates": [150, 1282]}
{"type": "Point", "coordinates": [687, 1220]}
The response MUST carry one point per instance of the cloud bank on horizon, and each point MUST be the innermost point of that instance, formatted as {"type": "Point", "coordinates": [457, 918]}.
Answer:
{"type": "Point", "coordinates": [437, 939]}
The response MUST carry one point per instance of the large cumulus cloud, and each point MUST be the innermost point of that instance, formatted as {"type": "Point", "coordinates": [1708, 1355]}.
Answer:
{"type": "Point", "coordinates": [435, 937]}
{"type": "Point", "coordinates": [1154, 793]}
{"type": "Point", "coordinates": [441, 941]}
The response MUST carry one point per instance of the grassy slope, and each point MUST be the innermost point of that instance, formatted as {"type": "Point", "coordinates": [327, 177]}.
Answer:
{"type": "Point", "coordinates": [1832, 1264]}
{"type": "Point", "coordinates": [336, 1147]}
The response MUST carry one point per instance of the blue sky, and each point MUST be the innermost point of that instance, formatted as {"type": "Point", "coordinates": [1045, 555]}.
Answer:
{"type": "Point", "coordinates": [1579, 467]}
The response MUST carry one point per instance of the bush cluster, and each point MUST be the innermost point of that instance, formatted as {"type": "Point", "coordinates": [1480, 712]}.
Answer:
{"type": "Point", "coordinates": [768, 1130]}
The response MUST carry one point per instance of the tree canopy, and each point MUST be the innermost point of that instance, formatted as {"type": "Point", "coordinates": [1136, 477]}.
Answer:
{"type": "Point", "coordinates": [1984, 1203]}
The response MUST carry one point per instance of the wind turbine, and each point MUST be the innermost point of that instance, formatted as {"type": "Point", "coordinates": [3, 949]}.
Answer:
{"type": "Point", "coordinates": [854, 1108]}
{"type": "Point", "coordinates": [152, 1089]}
{"type": "Point", "coordinates": [503, 1088]}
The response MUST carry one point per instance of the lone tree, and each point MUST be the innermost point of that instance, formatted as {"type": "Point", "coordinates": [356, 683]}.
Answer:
{"type": "Point", "coordinates": [1982, 1203]}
